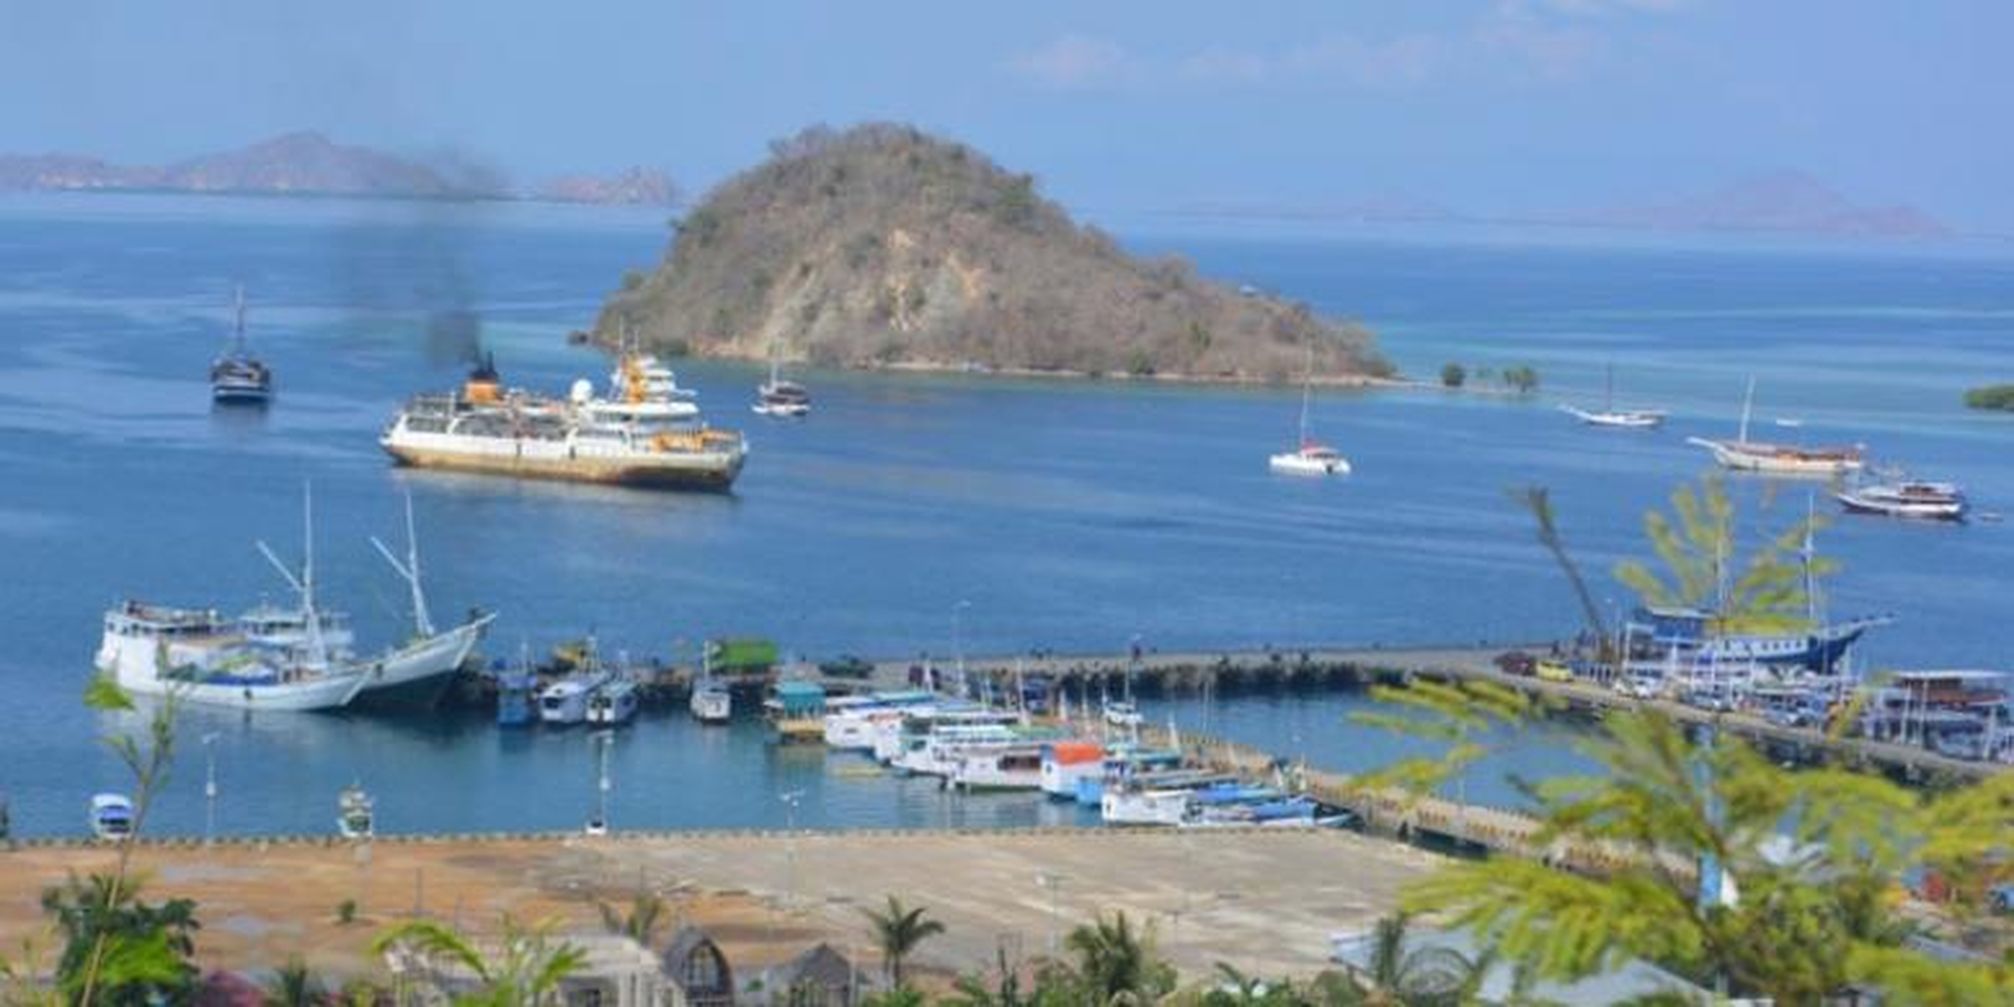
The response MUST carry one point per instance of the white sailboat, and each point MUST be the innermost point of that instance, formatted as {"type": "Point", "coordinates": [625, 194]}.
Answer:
{"type": "Point", "coordinates": [1310, 457]}
{"type": "Point", "coordinates": [1779, 459]}
{"type": "Point", "coordinates": [1609, 416]}
{"type": "Point", "coordinates": [777, 397]}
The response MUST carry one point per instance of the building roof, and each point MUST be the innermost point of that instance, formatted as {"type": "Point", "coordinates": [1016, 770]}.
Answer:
{"type": "Point", "coordinates": [1630, 980]}
{"type": "Point", "coordinates": [821, 966]}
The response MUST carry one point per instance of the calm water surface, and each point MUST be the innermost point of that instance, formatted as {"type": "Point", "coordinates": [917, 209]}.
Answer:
{"type": "Point", "coordinates": [1071, 516]}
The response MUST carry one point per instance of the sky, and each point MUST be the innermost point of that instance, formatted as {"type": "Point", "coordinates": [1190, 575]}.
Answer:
{"type": "Point", "coordinates": [1117, 106]}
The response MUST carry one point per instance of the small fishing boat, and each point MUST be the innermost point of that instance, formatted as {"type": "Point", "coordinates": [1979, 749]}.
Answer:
{"type": "Point", "coordinates": [1909, 498]}
{"type": "Point", "coordinates": [1066, 762]}
{"type": "Point", "coordinates": [237, 377]}
{"type": "Point", "coordinates": [355, 813]}
{"type": "Point", "coordinates": [1008, 767]}
{"type": "Point", "coordinates": [779, 398]}
{"type": "Point", "coordinates": [1774, 458]}
{"type": "Point", "coordinates": [517, 693]}
{"type": "Point", "coordinates": [712, 702]}
{"type": "Point", "coordinates": [612, 703]}
{"type": "Point", "coordinates": [1609, 416]}
{"type": "Point", "coordinates": [1310, 457]}
{"type": "Point", "coordinates": [112, 817]}
{"type": "Point", "coordinates": [1123, 715]}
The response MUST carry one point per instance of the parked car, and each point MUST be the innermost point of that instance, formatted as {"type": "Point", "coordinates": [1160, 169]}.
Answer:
{"type": "Point", "coordinates": [1553, 671]}
{"type": "Point", "coordinates": [847, 666]}
{"type": "Point", "coordinates": [1516, 662]}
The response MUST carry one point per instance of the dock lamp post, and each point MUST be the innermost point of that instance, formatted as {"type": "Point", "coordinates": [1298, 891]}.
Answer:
{"type": "Point", "coordinates": [1052, 882]}
{"type": "Point", "coordinates": [209, 788]}
{"type": "Point", "coordinates": [790, 799]}
{"type": "Point", "coordinates": [958, 640]}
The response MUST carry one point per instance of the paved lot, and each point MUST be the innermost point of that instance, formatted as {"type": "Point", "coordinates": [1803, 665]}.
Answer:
{"type": "Point", "coordinates": [1264, 901]}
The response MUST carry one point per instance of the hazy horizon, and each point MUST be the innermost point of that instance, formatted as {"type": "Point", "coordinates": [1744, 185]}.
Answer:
{"type": "Point", "coordinates": [1495, 108]}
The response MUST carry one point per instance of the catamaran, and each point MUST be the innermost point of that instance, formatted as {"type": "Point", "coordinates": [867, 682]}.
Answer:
{"type": "Point", "coordinates": [1310, 457]}
{"type": "Point", "coordinates": [1776, 458]}
{"type": "Point", "coordinates": [1609, 416]}
{"type": "Point", "coordinates": [237, 377]}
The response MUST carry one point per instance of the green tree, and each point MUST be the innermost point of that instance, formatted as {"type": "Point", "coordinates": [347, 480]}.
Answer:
{"type": "Point", "coordinates": [1696, 545]}
{"type": "Point", "coordinates": [1116, 963]}
{"type": "Point", "coordinates": [295, 985]}
{"type": "Point", "coordinates": [1453, 375]}
{"type": "Point", "coordinates": [897, 931]}
{"type": "Point", "coordinates": [641, 923]}
{"type": "Point", "coordinates": [524, 970]}
{"type": "Point", "coordinates": [1810, 865]}
{"type": "Point", "coordinates": [118, 949]}
{"type": "Point", "coordinates": [118, 944]}
{"type": "Point", "coordinates": [1462, 716]}
{"type": "Point", "coordinates": [1522, 379]}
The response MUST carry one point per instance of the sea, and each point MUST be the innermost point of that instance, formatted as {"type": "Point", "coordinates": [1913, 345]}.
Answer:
{"type": "Point", "coordinates": [915, 514]}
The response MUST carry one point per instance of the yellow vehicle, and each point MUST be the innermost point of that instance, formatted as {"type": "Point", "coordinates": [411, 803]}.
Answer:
{"type": "Point", "coordinates": [1553, 671]}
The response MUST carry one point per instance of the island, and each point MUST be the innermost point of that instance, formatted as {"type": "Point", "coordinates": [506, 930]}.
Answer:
{"type": "Point", "coordinates": [2000, 397]}
{"type": "Point", "coordinates": [307, 163]}
{"type": "Point", "coordinates": [881, 246]}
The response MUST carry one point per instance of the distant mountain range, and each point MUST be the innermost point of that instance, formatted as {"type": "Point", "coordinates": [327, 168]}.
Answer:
{"type": "Point", "coordinates": [1785, 202]}
{"type": "Point", "coordinates": [308, 163]}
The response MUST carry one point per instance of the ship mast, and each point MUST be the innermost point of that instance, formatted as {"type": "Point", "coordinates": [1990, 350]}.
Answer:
{"type": "Point", "coordinates": [304, 584]}
{"type": "Point", "coordinates": [410, 570]}
{"type": "Point", "coordinates": [239, 347]}
{"type": "Point", "coordinates": [1747, 403]}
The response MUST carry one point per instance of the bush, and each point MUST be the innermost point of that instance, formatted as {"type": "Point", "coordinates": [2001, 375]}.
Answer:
{"type": "Point", "coordinates": [346, 912]}
{"type": "Point", "coordinates": [1452, 375]}
{"type": "Point", "coordinates": [632, 279]}
{"type": "Point", "coordinates": [1140, 364]}
{"type": "Point", "coordinates": [1521, 379]}
{"type": "Point", "coordinates": [1991, 397]}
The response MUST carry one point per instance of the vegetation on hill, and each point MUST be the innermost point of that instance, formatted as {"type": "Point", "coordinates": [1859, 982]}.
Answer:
{"type": "Point", "coordinates": [1991, 397]}
{"type": "Point", "coordinates": [881, 246]}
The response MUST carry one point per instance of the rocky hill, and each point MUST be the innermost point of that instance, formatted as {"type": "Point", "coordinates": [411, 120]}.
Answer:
{"type": "Point", "coordinates": [881, 246]}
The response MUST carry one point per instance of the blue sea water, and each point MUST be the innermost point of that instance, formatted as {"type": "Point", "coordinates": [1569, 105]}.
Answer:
{"type": "Point", "coordinates": [1070, 515]}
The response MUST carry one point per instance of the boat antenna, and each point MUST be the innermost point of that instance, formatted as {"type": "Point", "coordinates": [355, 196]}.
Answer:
{"type": "Point", "coordinates": [1810, 552]}
{"type": "Point", "coordinates": [1608, 394]}
{"type": "Point", "coordinates": [410, 570]}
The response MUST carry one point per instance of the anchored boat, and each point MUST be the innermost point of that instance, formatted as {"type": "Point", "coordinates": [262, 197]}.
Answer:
{"type": "Point", "coordinates": [1910, 498]}
{"type": "Point", "coordinates": [112, 817]}
{"type": "Point", "coordinates": [1609, 416]}
{"type": "Point", "coordinates": [1310, 457]}
{"type": "Point", "coordinates": [646, 435]}
{"type": "Point", "coordinates": [1776, 458]}
{"type": "Point", "coordinates": [355, 813]}
{"type": "Point", "coordinates": [779, 398]}
{"type": "Point", "coordinates": [237, 377]}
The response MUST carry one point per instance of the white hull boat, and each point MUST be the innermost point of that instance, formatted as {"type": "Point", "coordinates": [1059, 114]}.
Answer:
{"type": "Point", "coordinates": [1921, 500]}
{"type": "Point", "coordinates": [111, 817]}
{"type": "Point", "coordinates": [1310, 457]}
{"type": "Point", "coordinates": [1017, 767]}
{"type": "Point", "coordinates": [1744, 455]}
{"type": "Point", "coordinates": [613, 704]}
{"type": "Point", "coordinates": [565, 702]}
{"type": "Point", "coordinates": [1609, 416]}
{"type": "Point", "coordinates": [711, 703]}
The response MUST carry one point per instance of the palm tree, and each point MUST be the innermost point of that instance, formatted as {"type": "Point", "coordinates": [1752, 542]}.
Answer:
{"type": "Point", "coordinates": [525, 970]}
{"type": "Point", "coordinates": [897, 931]}
{"type": "Point", "coordinates": [644, 919]}
{"type": "Point", "coordinates": [1116, 963]}
{"type": "Point", "coordinates": [294, 985]}
{"type": "Point", "coordinates": [1420, 977]}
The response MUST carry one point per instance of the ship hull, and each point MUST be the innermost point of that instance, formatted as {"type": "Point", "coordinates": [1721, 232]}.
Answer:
{"type": "Point", "coordinates": [706, 473]}
{"type": "Point", "coordinates": [415, 677]}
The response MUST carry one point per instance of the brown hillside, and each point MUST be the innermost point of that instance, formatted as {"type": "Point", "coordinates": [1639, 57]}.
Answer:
{"type": "Point", "coordinates": [883, 246]}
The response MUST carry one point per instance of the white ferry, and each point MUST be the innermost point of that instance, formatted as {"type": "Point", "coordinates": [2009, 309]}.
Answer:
{"type": "Point", "coordinates": [646, 435]}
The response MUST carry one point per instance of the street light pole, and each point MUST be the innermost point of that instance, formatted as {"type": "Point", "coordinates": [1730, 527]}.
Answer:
{"type": "Point", "coordinates": [209, 788]}
{"type": "Point", "coordinates": [790, 799]}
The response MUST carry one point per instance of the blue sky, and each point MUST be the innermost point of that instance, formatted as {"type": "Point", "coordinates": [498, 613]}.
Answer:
{"type": "Point", "coordinates": [1494, 106]}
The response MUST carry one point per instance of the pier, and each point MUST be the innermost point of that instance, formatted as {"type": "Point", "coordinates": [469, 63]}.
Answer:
{"type": "Point", "coordinates": [1228, 671]}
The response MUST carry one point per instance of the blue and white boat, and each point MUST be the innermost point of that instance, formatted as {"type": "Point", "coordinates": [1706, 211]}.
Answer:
{"type": "Point", "coordinates": [612, 703]}
{"type": "Point", "coordinates": [237, 377]}
{"type": "Point", "coordinates": [112, 817]}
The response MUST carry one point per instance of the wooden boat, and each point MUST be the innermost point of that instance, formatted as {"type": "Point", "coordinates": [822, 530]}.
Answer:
{"type": "Point", "coordinates": [1773, 458]}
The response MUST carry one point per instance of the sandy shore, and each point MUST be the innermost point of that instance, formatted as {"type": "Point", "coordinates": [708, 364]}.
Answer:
{"type": "Point", "coordinates": [1265, 901]}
